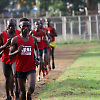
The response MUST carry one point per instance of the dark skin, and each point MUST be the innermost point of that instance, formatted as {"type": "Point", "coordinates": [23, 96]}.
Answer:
{"type": "Point", "coordinates": [10, 32]}
{"type": "Point", "coordinates": [54, 34]}
{"type": "Point", "coordinates": [25, 29]}
{"type": "Point", "coordinates": [37, 30]}
{"type": "Point", "coordinates": [53, 29]}
{"type": "Point", "coordinates": [46, 57]}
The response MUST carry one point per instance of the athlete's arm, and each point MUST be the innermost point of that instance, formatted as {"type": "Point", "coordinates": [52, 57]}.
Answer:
{"type": "Point", "coordinates": [2, 47]}
{"type": "Point", "coordinates": [54, 32]}
{"type": "Point", "coordinates": [31, 32]}
{"type": "Point", "coordinates": [36, 47]}
{"type": "Point", "coordinates": [49, 38]}
{"type": "Point", "coordinates": [12, 52]}
{"type": "Point", "coordinates": [44, 37]}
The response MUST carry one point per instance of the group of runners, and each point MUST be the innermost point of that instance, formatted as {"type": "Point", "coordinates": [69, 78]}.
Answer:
{"type": "Point", "coordinates": [22, 51]}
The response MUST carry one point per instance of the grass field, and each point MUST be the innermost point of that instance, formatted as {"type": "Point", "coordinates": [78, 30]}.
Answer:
{"type": "Point", "coordinates": [81, 80]}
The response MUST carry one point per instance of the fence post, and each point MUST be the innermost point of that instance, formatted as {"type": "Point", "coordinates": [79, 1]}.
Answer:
{"type": "Point", "coordinates": [59, 39]}
{"type": "Point", "coordinates": [4, 24]}
{"type": "Point", "coordinates": [32, 23]}
{"type": "Point", "coordinates": [59, 13]}
{"type": "Point", "coordinates": [71, 30]}
{"type": "Point", "coordinates": [17, 21]}
{"type": "Point", "coordinates": [73, 13]}
{"type": "Point", "coordinates": [97, 27]}
{"type": "Point", "coordinates": [79, 19]}
{"type": "Point", "coordinates": [23, 14]}
{"type": "Point", "coordinates": [89, 28]}
{"type": "Point", "coordinates": [64, 27]}
{"type": "Point", "coordinates": [84, 37]}
{"type": "Point", "coordinates": [46, 13]}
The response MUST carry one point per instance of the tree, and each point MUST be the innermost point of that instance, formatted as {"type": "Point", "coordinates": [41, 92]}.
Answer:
{"type": "Point", "coordinates": [92, 6]}
{"type": "Point", "coordinates": [26, 4]}
{"type": "Point", "coordinates": [3, 4]}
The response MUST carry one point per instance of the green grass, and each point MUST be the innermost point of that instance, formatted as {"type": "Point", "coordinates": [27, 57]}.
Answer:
{"type": "Point", "coordinates": [81, 80]}
{"type": "Point", "coordinates": [77, 43]}
{"type": "Point", "coordinates": [77, 40]}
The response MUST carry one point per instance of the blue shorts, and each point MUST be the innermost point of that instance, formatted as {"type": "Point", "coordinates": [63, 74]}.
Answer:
{"type": "Point", "coordinates": [45, 50]}
{"type": "Point", "coordinates": [40, 52]}
{"type": "Point", "coordinates": [22, 75]}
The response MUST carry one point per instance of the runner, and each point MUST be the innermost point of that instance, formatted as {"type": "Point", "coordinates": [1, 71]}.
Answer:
{"type": "Point", "coordinates": [40, 37]}
{"type": "Point", "coordinates": [22, 46]}
{"type": "Point", "coordinates": [5, 39]}
{"type": "Point", "coordinates": [45, 47]}
{"type": "Point", "coordinates": [53, 34]}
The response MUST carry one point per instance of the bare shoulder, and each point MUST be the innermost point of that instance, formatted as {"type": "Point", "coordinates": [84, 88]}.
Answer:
{"type": "Point", "coordinates": [14, 40]}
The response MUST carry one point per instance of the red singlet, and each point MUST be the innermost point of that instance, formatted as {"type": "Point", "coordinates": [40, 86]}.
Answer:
{"type": "Point", "coordinates": [25, 59]}
{"type": "Point", "coordinates": [39, 38]}
{"type": "Point", "coordinates": [5, 56]}
{"type": "Point", "coordinates": [50, 31]}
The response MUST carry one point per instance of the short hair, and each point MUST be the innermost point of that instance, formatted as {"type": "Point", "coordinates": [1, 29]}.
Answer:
{"type": "Point", "coordinates": [24, 19]}
{"type": "Point", "coordinates": [11, 20]}
{"type": "Point", "coordinates": [40, 21]}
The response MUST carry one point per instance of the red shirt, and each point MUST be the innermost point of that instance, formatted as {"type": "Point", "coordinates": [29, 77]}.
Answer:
{"type": "Point", "coordinates": [39, 38]}
{"type": "Point", "coordinates": [5, 56]}
{"type": "Point", "coordinates": [25, 59]}
{"type": "Point", "coordinates": [50, 31]}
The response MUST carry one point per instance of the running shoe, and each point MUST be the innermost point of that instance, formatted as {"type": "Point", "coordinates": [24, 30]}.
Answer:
{"type": "Point", "coordinates": [12, 97]}
{"type": "Point", "coordinates": [9, 98]}
{"type": "Point", "coordinates": [49, 68]}
{"type": "Point", "coordinates": [53, 65]}
{"type": "Point", "coordinates": [29, 97]}
{"type": "Point", "coordinates": [38, 78]}
{"type": "Point", "coordinates": [46, 71]}
{"type": "Point", "coordinates": [17, 94]}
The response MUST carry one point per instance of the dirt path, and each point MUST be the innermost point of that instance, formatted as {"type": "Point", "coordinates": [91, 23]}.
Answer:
{"type": "Point", "coordinates": [63, 58]}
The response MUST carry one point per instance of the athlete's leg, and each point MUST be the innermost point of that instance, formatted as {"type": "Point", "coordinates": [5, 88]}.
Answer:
{"type": "Point", "coordinates": [48, 59]}
{"type": "Point", "coordinates": [31, 84]}
{"type": "Point", "coordinates": [21, 83]}
{"type": "Point", "coordinates": [41, 66]}
{"type": "Point", "coordinates": [15, 80]}
{"type": "Point", "coordinates": [52, 55]}
{"type": "Point", "coordinates": [7, 70]}
{"type": "Point", "coordinates": [12, 85]}
{"type": "Point", "coordinates": [45, 60]}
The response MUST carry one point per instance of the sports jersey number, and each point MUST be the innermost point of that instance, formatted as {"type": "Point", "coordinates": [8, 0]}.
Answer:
{"type": "Point", "coordinates": [26, 50]}
{"type": "Point", "coordinates": [38, 39]}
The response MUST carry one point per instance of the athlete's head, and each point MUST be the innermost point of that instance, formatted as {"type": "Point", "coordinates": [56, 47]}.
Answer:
{"type": "Point", "coordinates": [41, 24]}
{"type": "Point", "coordinates": [24, 25]}
{"type": "Point", "coordinates": [47, 21]}
{"type": "Point", "coordinates": [37, 25]}
{"type": "Point", "coordinates": [11, 25]}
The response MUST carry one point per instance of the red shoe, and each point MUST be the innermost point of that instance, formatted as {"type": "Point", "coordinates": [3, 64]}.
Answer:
{"type": "Point", "coordinates": [46, 71]}
{"type": "Point", "coordinates": [12, 97]}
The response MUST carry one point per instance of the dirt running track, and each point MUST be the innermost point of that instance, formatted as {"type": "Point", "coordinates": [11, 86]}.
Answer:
{"type": "Point", "coordinates": [64, 56]}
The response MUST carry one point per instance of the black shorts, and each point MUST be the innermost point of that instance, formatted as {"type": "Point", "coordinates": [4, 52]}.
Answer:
{"type": "Point", "coordinates": [22, 75]}
{"type": "Point", "coordinates": [40, 52]}
{"type": "Point", "coordinates": [7, 70]}
{"type": "Point", "coordinates": [45, 50]}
